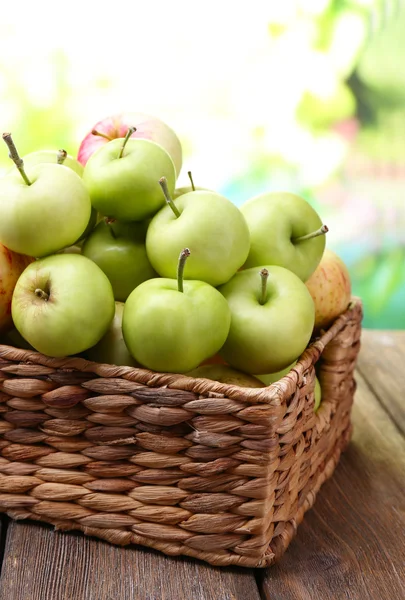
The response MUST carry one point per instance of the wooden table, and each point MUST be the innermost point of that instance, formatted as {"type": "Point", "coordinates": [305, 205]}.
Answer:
{"type": "Point", "coordinates": [350, 546]}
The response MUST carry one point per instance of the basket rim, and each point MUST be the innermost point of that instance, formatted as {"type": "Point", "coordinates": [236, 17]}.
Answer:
{"type": "Point", "coordinates": [273, 394]}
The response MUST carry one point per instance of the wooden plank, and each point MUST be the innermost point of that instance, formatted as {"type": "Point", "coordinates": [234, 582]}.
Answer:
{"type": "Point", "coordinates": [382, 364]}
{"type": "Point", "coordinates": [41, 564]}
{"type": "Point", "coordinates": [351, 545]}
{"type": "Point", "coordinates": [3, 533]}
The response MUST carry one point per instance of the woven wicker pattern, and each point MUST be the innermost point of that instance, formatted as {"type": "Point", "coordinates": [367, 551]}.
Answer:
{"type": "Point", "coordinates": [186, 466]}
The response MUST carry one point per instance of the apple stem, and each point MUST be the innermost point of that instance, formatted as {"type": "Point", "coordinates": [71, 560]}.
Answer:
{"type": "Point", "coordinates": [103, 135]}
{"type": "Point", "coordinates": [169, 200]}
{"type": "Point", "coordinates": [264, 274]}
{"type": "Point", "coordinates": [109, 221]}
{"type": "Point", "coordinates": [130, 131]}
{"type": "Point", "coordinates": [15, 157]}
{"type": "Point", "coordinates": [61, 156]}
{"type": "Point", "coordinates": [41, 294]}
{"type": "Point", "coordinates": [321, 231]}
{"type": "Point", "coordinates": [184, 254]}
{"type": "Point", "coordinates": [191, 180]}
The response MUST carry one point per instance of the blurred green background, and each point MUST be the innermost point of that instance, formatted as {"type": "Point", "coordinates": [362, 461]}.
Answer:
{"type": "Point", "coordinates": [299, 95]}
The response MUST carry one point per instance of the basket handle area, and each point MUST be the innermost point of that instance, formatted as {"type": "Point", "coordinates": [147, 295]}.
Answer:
{"type": "Point", "coordinates": [271, 394]}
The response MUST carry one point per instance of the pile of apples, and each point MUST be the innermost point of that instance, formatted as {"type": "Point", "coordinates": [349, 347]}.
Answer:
{"type": "Point", "coordinates": [104, 257]}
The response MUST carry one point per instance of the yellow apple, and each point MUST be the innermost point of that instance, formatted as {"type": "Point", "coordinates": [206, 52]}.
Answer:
{"type": "Point", "coordinates": [330, 289]}
{"type": "Point", "coordinates": [11, 267]}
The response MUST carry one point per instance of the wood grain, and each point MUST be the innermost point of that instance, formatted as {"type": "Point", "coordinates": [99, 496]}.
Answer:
{"type": "Point", "coordinates": [3, 533]}
{"type": "Point", "coordinates": [41, 564]}
{"type": "Point", "coordinates": [382, 364]}
{"type": "Point", "coordinates": [351, 544]}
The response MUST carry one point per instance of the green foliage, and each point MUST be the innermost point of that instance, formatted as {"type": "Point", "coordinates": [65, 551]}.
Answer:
{"type": "Point", "coordinates": [379, 279]}
{"type": "Point", "coordinates": [322, 113]}
{"type": "Point", "coordinates": [41, 125]}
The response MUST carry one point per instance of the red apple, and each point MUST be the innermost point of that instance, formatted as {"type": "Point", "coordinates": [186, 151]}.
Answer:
{"type": "Point", "coordinates": [214, 360]}
{"type": "Point", "coordinates": [11, 267]}
{"type": "Point", "coordinates": [116, 126]}
{"type": "Point", "coordinates": [330, 289]}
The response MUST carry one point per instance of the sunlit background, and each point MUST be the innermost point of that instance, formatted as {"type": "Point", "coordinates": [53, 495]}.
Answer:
{"type": "Point", "coordinates": [299, 95]}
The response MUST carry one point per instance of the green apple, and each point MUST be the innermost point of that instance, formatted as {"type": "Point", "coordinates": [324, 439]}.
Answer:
{"type": "Point", "coordinates": [90, 225]}
{"type": "Point", "coordinates": [210, 225]}
{"type": "Point", "coordinates": [75, 249]}
{"type": "Point", "coordinates": [286, 231]}
{"type": "Point", "coordinates": [111, 349]}
{"type": "Point", "coordinates": [60, 157]}
{"type": "Point", "coordinates": [188, 188]}
{"type": "Point", "coordinates": [43, 209]}
{"type": "Point", "coordinates": [272, 319]}
{"type": "Point", "coordinates": [172, 326]}
{"type": "Point", "coordinates": [62, 304]}
{"type": "Point", "coordinates": [57, 157]}
{"type": "Point", "coordinates": [270, 378]}
{"type": "Point", "coordinates": [273, 377]}
{"type": "Point", "coordinates": [318, 394]}
{"type": "Point", "coordinates": [122, 177]}
{"type": "Point", "coordinates": [225, 374]}
{"type": "Point", "coordinates": [119, 250]}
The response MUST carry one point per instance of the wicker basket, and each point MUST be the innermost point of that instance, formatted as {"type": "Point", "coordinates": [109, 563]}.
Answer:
{"type": "Point", "coordinates": [186, 466]}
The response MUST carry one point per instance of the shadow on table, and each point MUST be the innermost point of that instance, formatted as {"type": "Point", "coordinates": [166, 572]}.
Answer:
{"type": "Point", "coordinates": [345, 545]}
